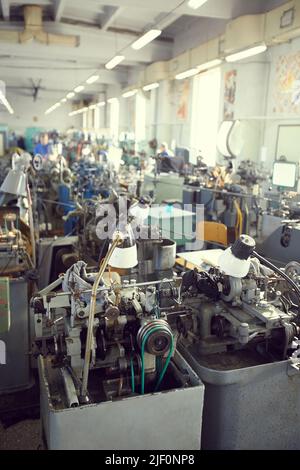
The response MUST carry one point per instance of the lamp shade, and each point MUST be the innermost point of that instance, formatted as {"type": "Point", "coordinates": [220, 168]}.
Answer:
{"type": "Point", "coordinates": [124, 255]}
{"type": "Point", "coordinates": [236, 260]}
{"type": "Point", "coordinates": [232, 266]}
{"type": "Point", "coordinates": [14, 183]}
{"type": "Point", "coordinates": [124, 258]}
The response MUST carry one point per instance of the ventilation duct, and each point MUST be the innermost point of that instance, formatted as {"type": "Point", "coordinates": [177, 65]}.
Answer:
{"type": "Point", "coordinates": [243, 32]}
{"type": "Point", "coordinates": [206, 52]}
{"type": "Point", "coordinates": [33, 30]}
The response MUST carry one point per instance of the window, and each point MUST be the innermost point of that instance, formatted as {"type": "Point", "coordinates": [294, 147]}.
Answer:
{"type": "Point", "coordinates": [205, 115]}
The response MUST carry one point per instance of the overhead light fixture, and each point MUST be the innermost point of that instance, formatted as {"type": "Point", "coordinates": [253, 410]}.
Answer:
{"type": "Point", "coordinates": [64, 100]}
{"type": "Point", "coordinates": [194, 4]}
{"type": "Point", "coordinates": [70, 95]}
{"type": "Point", "coordinates": [101, 103]}
{"type": "Point", "coordinates": [186, 74]}
{"type": "Point", "coordinates": [146, 38]}
{"type": "Point", "coordinates": [52, 108]}
{"type": "Point", "coordinates": [246, 53]}
{"type": "Point", "coordinates": [114, 62]}
{"type": "Point", "coordinates": [112, 100]}
{"type": "Point", "coordinates": [5, 102]}
{"type": "Point", "coordinates": [209, 65]}
{"type": "Point", "coordinates": [130, 93]}
{"type": "Point", "coordinates": [79, 88]}
{"type": "Point", "coordinates": [49, 110]}
{"type": "Point", "coordinates": [151, 86]}
{"type": "Point", "coordinates": [92, 106]}
{"type": "Point", "coordinates": [92, 79]}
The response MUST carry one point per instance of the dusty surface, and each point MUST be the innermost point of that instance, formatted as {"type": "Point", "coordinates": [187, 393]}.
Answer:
{"type": "Point", "coordinates": [25, 435]}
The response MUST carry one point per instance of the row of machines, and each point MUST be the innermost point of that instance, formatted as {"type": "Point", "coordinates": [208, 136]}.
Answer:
{"type": "Point", "coordinates": [131, 350]}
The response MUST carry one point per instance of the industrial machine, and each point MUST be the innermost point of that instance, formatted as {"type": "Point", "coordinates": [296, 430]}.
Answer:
{"type": "Point", "coordinates": [105, 341]}
{"type": "Point", "coordinates": [110, 373]}
{"type": "Point", "coordinates": [279, 217]}
{"type": "Point", "coordinates": [17, 277]}
{"type": "Point", "coordinates": [240, 333]}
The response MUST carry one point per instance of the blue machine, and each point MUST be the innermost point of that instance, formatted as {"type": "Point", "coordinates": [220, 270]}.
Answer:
{"type": "Point", "coordinates": [64, 197]}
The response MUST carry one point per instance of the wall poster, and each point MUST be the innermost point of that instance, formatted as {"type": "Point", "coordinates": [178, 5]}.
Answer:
{"type": "Point", "coordinates": [287, 85]}
{"type": "Point", "coordinates": [229, 94]}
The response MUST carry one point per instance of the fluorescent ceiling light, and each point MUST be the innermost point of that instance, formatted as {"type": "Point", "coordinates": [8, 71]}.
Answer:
{"type": "Point", "coordinates": [78, 111]}
{"type": "Point", "coordinates": [92, 79]}
{"type": "Point", "coordinates": [57, 104]}
{"type": "Point", "coordinates": [151, 86]}
{"type": "Point", "coordinates": [112, 100]}
{"type": "Point", "coordinates": [194, 4]}
{"type": "Point", "coordinates": [70, 95]}
{"type": "Point", "coordinates": [63, 100]}
{"type": "Point", "coordinates": [5, 102]}
{"type": "Point", "coordinates": [49, 110]}
{"type": "Point", "coordinates": [130, 93]}
{"type": "Point", "coordinates": [146, 38]}
{"type": "Point", "coordinates": [209, 65]}
{"type": "Point", "coordinates": [186, 74]}
{"type": "Point", "coordinates": [101, 103]}
{"type": "Point", "coordinates": [114, 62]}
{"type": "Point", "coordinates": [246, 53]}
{"type": "Point", "coordinates": [79, 88]}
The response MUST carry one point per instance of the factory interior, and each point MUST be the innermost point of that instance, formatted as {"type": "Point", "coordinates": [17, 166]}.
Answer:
{"type": "Point", "coordinates": [149, 225]}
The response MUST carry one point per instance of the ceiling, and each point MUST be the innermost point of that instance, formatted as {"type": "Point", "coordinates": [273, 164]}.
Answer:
{"type": "Point", "coordinates": [104, 28]}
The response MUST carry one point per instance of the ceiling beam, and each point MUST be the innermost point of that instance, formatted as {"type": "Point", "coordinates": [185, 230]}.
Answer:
{"type": "Point", "coordinates": [59, 6]}
{"type": "Point", "coordinates": [109, 17]}
{"type": "Point", "coordinates": [164, 20]}
{"type": "Point", "coordinates": [5, 9]}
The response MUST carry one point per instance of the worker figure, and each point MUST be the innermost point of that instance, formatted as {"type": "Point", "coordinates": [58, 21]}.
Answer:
{"type": "Point", "coordinates": [43, 147]}
{"type": "Point", "coordinates": [164, 150]}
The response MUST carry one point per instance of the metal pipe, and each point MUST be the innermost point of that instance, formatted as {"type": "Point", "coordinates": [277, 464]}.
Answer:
{"type": "Point", "coordinates": [31, 225]}
{"type": "Point", "coordinates": [70, 389]}
{"type": "Point", "coordinates": [89, 338]}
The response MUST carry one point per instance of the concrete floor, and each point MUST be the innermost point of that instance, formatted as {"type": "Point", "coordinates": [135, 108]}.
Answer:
{"type": "Point", "coordinates": [25, 435]}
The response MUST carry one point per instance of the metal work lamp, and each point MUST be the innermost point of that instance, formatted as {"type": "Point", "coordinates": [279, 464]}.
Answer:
{"type": "Point", "coordinates": [124, 255]}
{"type": "Point", "coordinates": [16, 180]}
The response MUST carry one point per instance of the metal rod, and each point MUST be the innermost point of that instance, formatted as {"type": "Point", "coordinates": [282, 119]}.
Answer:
{"type": "Point", "coordinates": [105, 288]}
{"type": "Point", "coordinates": [31, 226]}
{"type": "Point", "coordinates": [89, 339]}
{"type": "Point", "coordinates": [70, 389]}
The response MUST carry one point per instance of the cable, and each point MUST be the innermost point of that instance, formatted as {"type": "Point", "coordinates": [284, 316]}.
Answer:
{"type": "Point", "coordinates": [162, 374]}
{"type": "Point", "coordinates": [132, 375]}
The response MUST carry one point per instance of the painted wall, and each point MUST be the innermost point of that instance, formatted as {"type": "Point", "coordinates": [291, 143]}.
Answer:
{"type": "Point", "coordinates": [28, 113]}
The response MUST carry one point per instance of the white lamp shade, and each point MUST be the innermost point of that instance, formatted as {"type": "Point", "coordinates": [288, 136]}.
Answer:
{"type": "Point", "coordinates": [124, 258]}
{"type": "Point", "coordinates": [232, 266]}
{"type": "Point", "coordinates": [14, 183]}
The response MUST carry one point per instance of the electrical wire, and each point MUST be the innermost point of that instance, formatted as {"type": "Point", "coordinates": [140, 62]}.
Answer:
{"type": "Point", "coordinates": [132, 374]}
{"type": "Point", "coordinates": [162, 374]}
